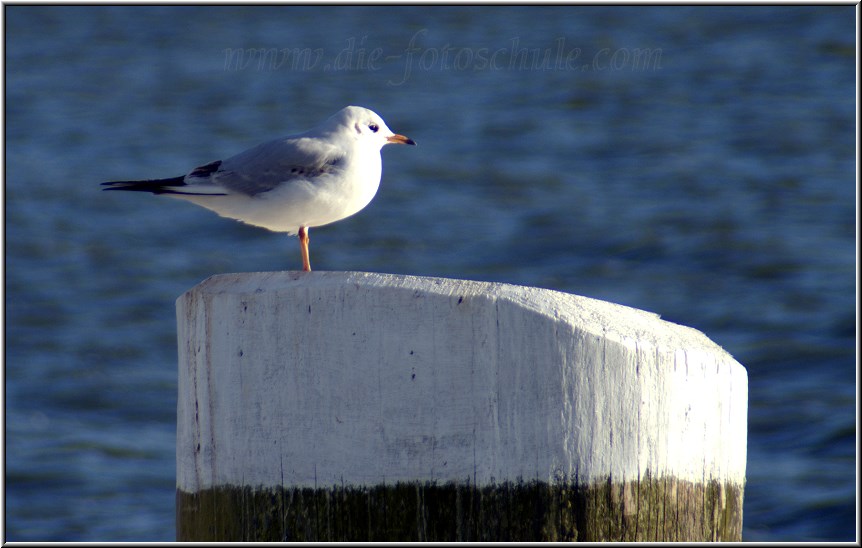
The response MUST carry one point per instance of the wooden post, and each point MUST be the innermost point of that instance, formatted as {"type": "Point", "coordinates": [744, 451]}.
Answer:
{"type": "Point", "coordinates": [345, 406]}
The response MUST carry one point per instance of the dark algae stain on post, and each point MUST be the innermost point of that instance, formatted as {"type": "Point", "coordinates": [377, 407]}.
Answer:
{"type": "Point", "coordinates": [648, 510]}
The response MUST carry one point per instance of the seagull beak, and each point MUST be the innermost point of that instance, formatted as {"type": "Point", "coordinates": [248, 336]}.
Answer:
{"type": "Point", "coordinates": [400, 140]}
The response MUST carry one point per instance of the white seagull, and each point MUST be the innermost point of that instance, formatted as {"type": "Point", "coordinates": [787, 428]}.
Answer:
{"type": "Point", "coordinates": [291, 184]}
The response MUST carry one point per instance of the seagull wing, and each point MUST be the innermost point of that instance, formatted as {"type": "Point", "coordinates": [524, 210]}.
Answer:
{"type": "Point", "coordinates": [269, 165]}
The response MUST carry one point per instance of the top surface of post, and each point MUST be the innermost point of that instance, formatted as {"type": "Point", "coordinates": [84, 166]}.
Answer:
{"type": "Point", "coordinates": [609, 318]}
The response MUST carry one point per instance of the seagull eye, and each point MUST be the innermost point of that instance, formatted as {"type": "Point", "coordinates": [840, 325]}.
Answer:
{"type": "Point", "coordinates": [373, 127]}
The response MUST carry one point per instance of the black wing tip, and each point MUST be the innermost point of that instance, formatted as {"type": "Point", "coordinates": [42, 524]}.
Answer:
{"type": "Point", "coordinates": [207, 170]}
{"type": "Point", "coordinates": [156, 186]}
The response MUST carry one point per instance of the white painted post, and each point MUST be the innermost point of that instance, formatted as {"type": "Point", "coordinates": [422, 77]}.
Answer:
{"type": "Point", "coordinates": [354, 406]}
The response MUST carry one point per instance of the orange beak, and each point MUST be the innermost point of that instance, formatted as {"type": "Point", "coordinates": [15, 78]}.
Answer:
{"type": "Point", "coordinates": [400, 140]}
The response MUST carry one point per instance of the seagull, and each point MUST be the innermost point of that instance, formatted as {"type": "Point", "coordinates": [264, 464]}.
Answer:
{"type": "Point", "coordinates": [290, 184]}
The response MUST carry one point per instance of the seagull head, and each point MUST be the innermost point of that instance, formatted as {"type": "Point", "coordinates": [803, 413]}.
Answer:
{"type": "Point", "coordinates": [364, 126]}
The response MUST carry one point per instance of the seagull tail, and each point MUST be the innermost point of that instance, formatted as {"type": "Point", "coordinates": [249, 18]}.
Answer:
{"type": "Point", "coordinates": [173, 185]}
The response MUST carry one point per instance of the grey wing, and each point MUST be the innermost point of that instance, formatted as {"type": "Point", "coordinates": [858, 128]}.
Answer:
{"type": "Point", "coordinates": [266, 166]}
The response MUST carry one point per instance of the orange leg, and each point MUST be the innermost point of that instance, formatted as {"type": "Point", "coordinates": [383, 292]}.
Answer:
{"type": "Point", "coordinates": [303, 246]}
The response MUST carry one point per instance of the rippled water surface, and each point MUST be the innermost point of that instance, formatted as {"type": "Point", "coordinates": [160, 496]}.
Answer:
{"type": "Point", "coordinates": [694, 162]}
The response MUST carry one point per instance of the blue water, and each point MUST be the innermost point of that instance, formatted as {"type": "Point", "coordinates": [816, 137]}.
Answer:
{"type": "Point", "coordinates": [697, 162]}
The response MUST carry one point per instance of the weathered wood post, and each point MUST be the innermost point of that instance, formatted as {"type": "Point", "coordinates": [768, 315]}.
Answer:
{"type": "Point", "coordinates": [346, 406]}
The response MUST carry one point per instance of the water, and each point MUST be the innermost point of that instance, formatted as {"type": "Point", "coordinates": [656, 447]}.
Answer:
{"type": "Point", "coordinates": [697, 162]}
